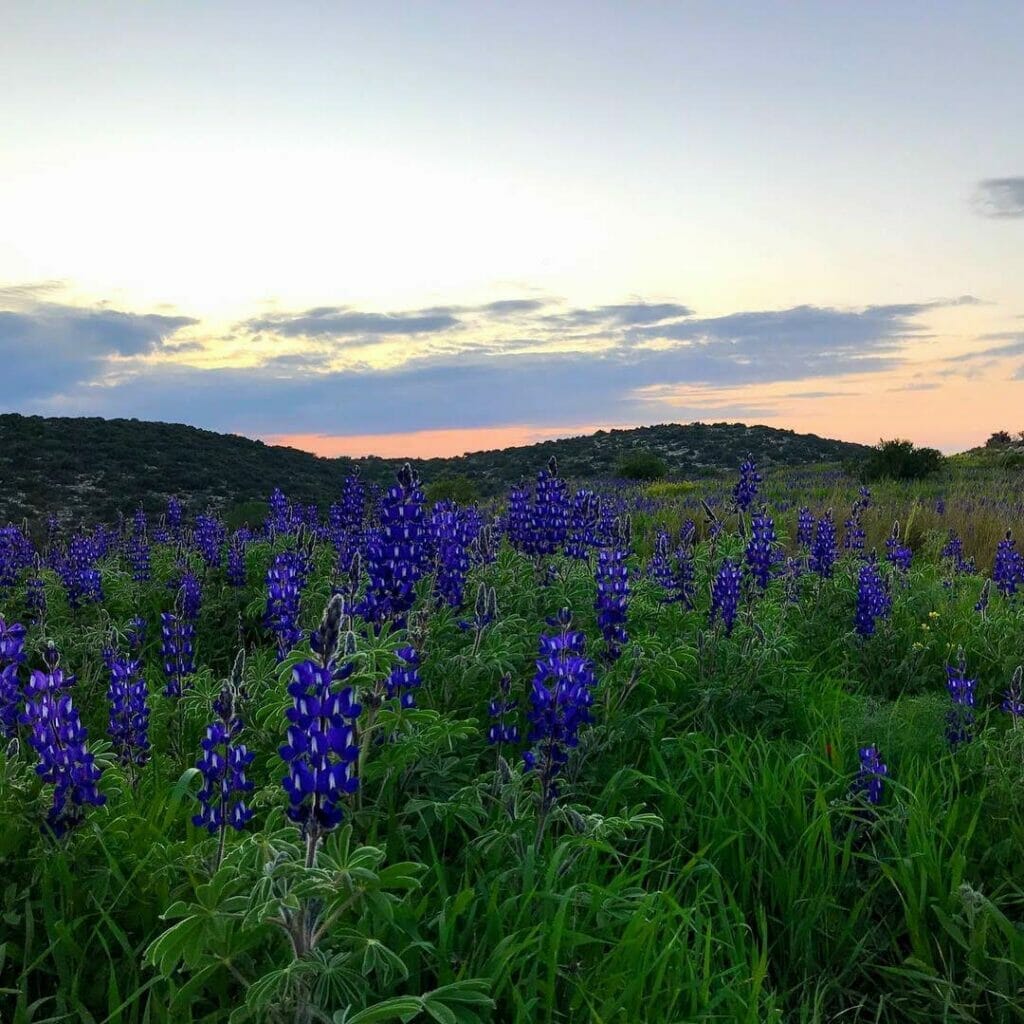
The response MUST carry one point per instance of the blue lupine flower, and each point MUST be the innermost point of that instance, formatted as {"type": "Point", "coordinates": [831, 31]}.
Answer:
{"type": "Point", "coordinates": [1008, 571]}
{"type": "Point", "coordinates": [135, 634]}
{"type": "Point", "coordinates": [404, 678]}
{"type": "Point", "coordinates": [16, 554]}
{"type": "Point", "coordinates": [172, 519]}
{"type": "Point", "coordinates": [873, 599]}
{"type": "Point", "coordinates": [895, 552]}
{"type": "Point", "coordinates": [281, 517]}
{"type": "Point", "coordinates": [1013, 704]}
{"type": "Point", "coordinates": [78, 572]}
{"type": "Point", "coordinates": [954, 552]}
{"type": "Point", "coordinates": [584, 514]}
{"type": "Point", "coordinates": [345, 521]}
{"type": "Point", "coordinates": [285, 582]}
{"type": "Point", "coordinates": [190, 595]}
{"type": "Point", "coordinates": [982, 604]}
{"type": "Point", "coordinates": [823, 550]}
{"type": "Point", "coordinates": [502, 710]}
{"type": "Point", "coordinates": [805, 527]}
{"type": "Point", "coordinates": [321, 746]}
{"type": "Point", "coordinates": [396, 553]}
{"type": "Point", "coordinates": [451, 530]}
{"type": "Point", "coordinates": [854, 536]}
{"type": "Point", "coordinates": [128, 696]}
{"type": "Point", "coordinates": [960, 719]}
{"type": "Point", "coordinates": [222, 765]}
{"type": "Point", "coordinates": [138, 548]}
{"type": "Point", "coordinates": [177, 648]}
{"type": "Point", "coordinates": [871, 776]}
{"type": "Point", "coordinates": [35, 596]}
{"type": "Point", "coordinates": [517, 519]}
{"type": "Point", "coordinates": [549, 518]}
{"type": "Point", "coordinates": [209, 534]}
{"type": "Point", "coordinates": [659, 567]}
{"type": "Point", "coordinates": [761, 550]}
{"type": "Point", "coordinates": [560, 701]}
{"type": "Point", "coordinates": [12, 655]}
{"type": "Point", "coordinates": [236, 562]}
{"type": "Point", "coordinates": [747, 487]}
{"type": "Point", "coordinates": [725, 594]}
{"type": "Point", "coordinates": [58, 737]}
{"type": "Point", "coordinates": [683, 586]}
{"type": "Point", "coordinates": [612, 602]}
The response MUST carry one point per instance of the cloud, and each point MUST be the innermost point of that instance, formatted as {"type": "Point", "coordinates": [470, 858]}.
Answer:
{"type": "Point", "coordinates": [1012, 345]}
{"type": "Point", "coordinates": [47, 348]}
{"type": "Point", "coordinates": [512, 307]}
{"type": "Point", "coordinates": [509, 361]}
{"type": "Point", "coordinates": [1000, 197]}
{"type": "Point", "coordinates": [342, 322]}
{"type": "Point", "coordinates": [622, 315]}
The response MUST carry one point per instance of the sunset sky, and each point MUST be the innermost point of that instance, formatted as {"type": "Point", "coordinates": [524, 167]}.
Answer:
{"type": "Point", "coordinates": [419, 229]}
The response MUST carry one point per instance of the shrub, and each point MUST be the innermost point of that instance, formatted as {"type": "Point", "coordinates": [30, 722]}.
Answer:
{"type": "Point", "coordinates": [901, 460]}
{"type": "Point", "coordinates": [642, 466]}
{"type": "Point", "coordinates": [452, 488]}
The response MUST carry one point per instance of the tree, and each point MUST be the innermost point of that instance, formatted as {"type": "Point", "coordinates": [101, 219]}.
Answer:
{"type": "Point", "coordinates": [642, 466]}
{"type": "Point", "coordinates": [459, 489]}
{"type": "Point", "coordinates": [900, 459]}
{"type": "Point", "coordinates": [1000, 439]}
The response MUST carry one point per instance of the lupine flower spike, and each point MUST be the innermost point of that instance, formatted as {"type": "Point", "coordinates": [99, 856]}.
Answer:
{"type": "Point", "coordinates": [1013, 704]}
{"type": "Point", "coordinates": [960, 719]}
{"type": "Point", "coordinates": [321, 749]}
{"type": "Point", "coordinates": [871, 776]}
{"type": "Point", "coordinates": [58, 737]}
{"type": "Point", "coordinates": [222, 765]}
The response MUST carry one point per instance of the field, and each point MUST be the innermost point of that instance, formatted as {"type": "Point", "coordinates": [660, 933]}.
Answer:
{"type": "Point", "coordinates": [773, 771]}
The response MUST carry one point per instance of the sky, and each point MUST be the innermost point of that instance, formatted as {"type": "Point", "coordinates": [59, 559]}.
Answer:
{"type": "Point", "coordinates": [423, 229]}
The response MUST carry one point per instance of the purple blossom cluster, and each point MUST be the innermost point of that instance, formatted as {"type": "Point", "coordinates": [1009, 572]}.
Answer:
{"type": "Point", "coordinates": [12, 656]}
{"type": "Point", "coordinates": [128, 698]}
{"type": "Point", "coordinates": [321, 747]}
{"type": "Point", "coordinates": [561, 695]}
{"type": "Point", "coordinates": [59, 739]}
{"type": "Point", "coordinates": [222, 765]}
{"type": "Point", "coordinates": [404, 678]}
{"type": "Point", "coordinates": [873, 599]}
{"type": "Point", "coordinates": [762, 549]}
{"type": "Point", "coordinates": [960, 719]}
{"type": "Point", "coordinates": [823, 549]}
{"type": "Point", "coordinates": [504, 727]}
{"type": "Point", "coordinates": [396, 552]}
{"type": "Point", "coordinates": [747, 487]}
{"type": "Point", "coordinates": [871, 776]}
{"type": "Point", "coordinates": [286, 579]}
{"type": "Point", "coordinates": [725, 594]}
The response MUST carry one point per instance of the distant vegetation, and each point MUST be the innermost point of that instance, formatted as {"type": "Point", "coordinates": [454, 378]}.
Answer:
{"type": "Point", "coordinates": [91, 469]}
{"type": "Point", "coordinates": [642, 466]}
{"type": "Point", "coordinates": [901, 460]}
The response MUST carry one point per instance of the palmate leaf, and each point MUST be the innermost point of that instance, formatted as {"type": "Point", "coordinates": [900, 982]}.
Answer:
{"type": "Point", "coordinates": [462, 1002]}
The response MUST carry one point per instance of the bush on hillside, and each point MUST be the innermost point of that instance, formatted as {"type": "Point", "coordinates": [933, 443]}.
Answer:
{"type": "Point", "coordinates": [642, 466]}
{"type": "Point", "coordinates": [900, 459]}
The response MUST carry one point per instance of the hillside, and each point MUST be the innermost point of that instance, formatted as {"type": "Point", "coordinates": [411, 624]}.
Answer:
{"type": "Point", "coordinates": [91, 468]}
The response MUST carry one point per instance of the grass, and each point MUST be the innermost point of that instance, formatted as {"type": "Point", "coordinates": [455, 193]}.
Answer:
{"type": "Point", "coordinates": [706, 860]}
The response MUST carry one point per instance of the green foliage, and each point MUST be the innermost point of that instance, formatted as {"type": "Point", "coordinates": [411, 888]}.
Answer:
{"type": "Point", "coordinates": [705, 861]}
{"type": "Point", "coordinates": [643, 466]}
{"type": "Point", "coordinates": [452, 488]}
{"type": "Point", "coordinates": [89, 469]}
{"type": "Point", "coordinates": [901, 460]}
{"type": "Point", "coordinates": [252, 514]}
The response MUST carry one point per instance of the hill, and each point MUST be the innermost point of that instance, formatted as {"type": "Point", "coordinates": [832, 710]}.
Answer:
{"type": "Point", "coordinates": [91, 468]}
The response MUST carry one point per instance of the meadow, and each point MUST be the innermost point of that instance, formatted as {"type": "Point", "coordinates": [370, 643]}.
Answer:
{"type": "Point", "coordinates": [742, 750]}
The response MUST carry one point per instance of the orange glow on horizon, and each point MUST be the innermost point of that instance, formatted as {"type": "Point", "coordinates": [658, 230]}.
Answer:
{"type": "Point", "coordinates": [428, 444]}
